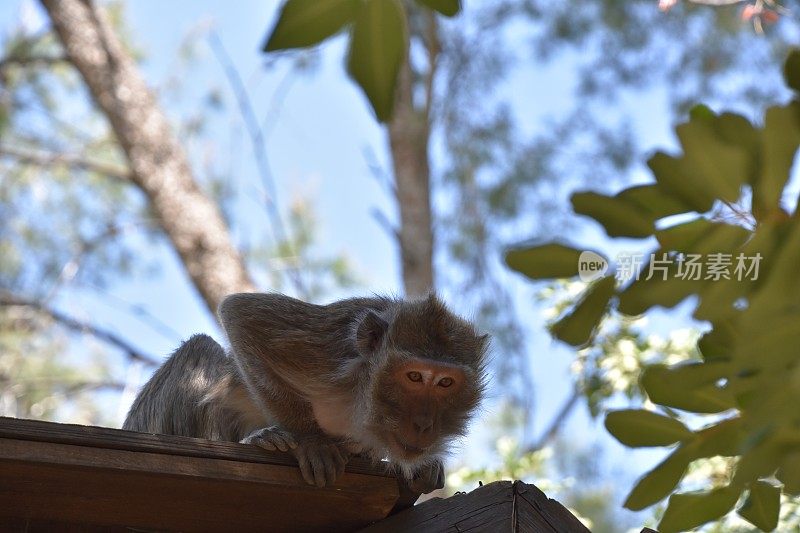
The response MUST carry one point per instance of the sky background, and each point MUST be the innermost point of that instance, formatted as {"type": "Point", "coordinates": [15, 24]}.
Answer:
{"type": "Point", "coordinates": [320, 131]}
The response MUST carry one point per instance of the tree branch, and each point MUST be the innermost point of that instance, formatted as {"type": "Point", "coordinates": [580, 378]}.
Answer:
{"type": "Point", "coordinates": [25, 61]}
{"type": "Point", "coordinates": [76, 161]}
{"type": "Point", "coordinates": [158, 165]}
{"type": "Point", "coordinates": [109, 337]}
{"type": "Point", "coordinates": [258, 142]}
{"type": "Point", "coordinates": [557, 423]}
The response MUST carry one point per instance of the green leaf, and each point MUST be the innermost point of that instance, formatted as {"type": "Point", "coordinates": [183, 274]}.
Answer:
{"type": "Point", "coordinates": [737, 130]}
{"type": "Point", "coordinates": [674, 176]}
{"type": "Point", "coordinates": [777, 293]}
{"type": "Point", "coordinates": [660, 481]}
{"type": "Point", "coordinates": [689, 387]}
{"type": "Point", "coordinates": [638, 428]}
{"type": "Point", "coordinates": [304, 23]}
{"type": "Point", "coordinates": [448, 8]}
{"type": "Point", "coordinates": [762, 506]}
{"type": "Point", "coordinates": [576, 328]}
{"type": "Point", "coordinates": [761, 460]}
{"type": "Point", "coordinates": [653, 200]}
{"type": "Point", "coordinates": [701, 236]}
{"type": "Point", "coordinates": [714, 165]}
{"type": "Point", "coordinates": [791, 70]}
{"type": "Point", "coordinates": [789, 473]}
{"type": "Point", "coordinates": [690, 510]}
{"type": "Point", "coordinates": [780, 139]}
{"type": "Point", "coordinates": [701, 112]}
{"type": "Point", "coordinates": [547, 261]}
{"type": "Point", "coordinates": [717, 344]}
{"type": "Point", "coordinates": [719, 300]}
{"type": "Point", "coordinates": [664, 289]}
{"type": "Point", "coordinates": [377, 51]}
{"type": "Point", "coordinates": [618, 217]}
{"type": "Point", "coordinates": [722, 439]}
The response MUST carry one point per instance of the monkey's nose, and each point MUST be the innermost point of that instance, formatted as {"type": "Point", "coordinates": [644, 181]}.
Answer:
{"type": "Point", "coordinates": [422, 424]}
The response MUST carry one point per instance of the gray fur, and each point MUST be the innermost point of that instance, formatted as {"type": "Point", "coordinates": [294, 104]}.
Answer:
{"type": "Point", "coordinates": [195, 393]}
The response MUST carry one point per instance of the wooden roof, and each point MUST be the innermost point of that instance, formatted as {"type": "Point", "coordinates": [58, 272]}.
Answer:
{"type": "Point", "coordinates": [502, 506]}
{"type": "Point", "coordinates": [97, 478]}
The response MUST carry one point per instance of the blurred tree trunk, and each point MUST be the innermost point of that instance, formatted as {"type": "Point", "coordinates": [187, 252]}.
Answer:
{"type": "Point", "coordinates": [409, 133]}
{"type": "Point", "coordinates": [158, 165]}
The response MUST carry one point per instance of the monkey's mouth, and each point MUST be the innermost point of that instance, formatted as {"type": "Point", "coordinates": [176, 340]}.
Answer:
{"type": "Point", "coordinates": [407, 449]}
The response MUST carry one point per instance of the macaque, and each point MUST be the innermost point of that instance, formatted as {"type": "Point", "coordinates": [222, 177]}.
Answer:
{"type": "Point", "coordinates": [384, 377]}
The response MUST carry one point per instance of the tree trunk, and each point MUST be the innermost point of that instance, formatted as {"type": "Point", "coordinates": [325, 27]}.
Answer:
{"type": "Point", "coordinates": [159, 167]}
{"type": "Point", "coordinates": [409, 131]}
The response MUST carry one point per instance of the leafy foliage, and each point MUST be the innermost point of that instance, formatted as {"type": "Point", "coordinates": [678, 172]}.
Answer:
{"type": "Point", "coordinates": [749, 363]}
{"type": "Point", "coordinates": [378, 38]}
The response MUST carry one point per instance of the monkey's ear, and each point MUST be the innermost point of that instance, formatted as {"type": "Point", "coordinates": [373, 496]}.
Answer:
{"type": "Point", "coordinates": [370, 333]}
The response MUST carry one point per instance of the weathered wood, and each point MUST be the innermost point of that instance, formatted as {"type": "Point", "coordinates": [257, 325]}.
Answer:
{"type": "Point", "coordinates": [502, 506]}
{"type": "Point", "coordinates": [55, 476]}
{"type": "Point", "coordinates": [531, 504]}
{"type": "Point", "coordinates": [92, 436]}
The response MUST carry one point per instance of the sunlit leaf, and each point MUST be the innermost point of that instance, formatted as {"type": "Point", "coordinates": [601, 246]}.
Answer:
{"type": "Point", "coordinates": [776, 296]}
{"type": "Point", "coordinates": [701, 112]}
{"type": "Point", "coordinates": [660, 283]}
{"type": "Point", "coordinates": [618, 217]}
{"type": "Point", "coordinates": [659, 482]}
{"type": "Point", "coordinates": [737, 130]}
{"type": "Point", "coordinates": [762, 506]}
{"type": "Point", "coordinates": [691, 387]}
{"type": "Point", "coordinates": [789, 473]}
{"type": "Point", "coordinates": [690, 510]}
{"type": "Point", "coordinates": [791, 70]}
{"type": "Point", "coordinates": [577, 326]}
{"type": "Point", "coordinates": [717, 344]}
{"type": "Point", "coordinates": [448, 8]}
{"type": "Point", "coordinates": [654, 201]}
{"type": "Point", "coordinates": [701, 236]}
{"type": "Point", "coordinates": [674, 176]}
{"type": "Point", "coordinates": [761, 460]}
{"type": "Point", "coordinates": [780, 139]}
{"type": "Point", "coordinates": [304, 23]}
{"type": "Point", "coordinates": [721, 439]}
{"type": "Point", "coordinates": [714, 165]}
{"type": "Point", "coordinates": [377, 51]}
{"type": "Point", "coordinates": [547, 261]}
{"type": "Point", "coordinates": [639, 428]}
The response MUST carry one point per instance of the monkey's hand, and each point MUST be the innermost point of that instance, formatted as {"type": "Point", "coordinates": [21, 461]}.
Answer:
{"type": "Point", "coordinates": [321, 460]}
{"type": "Point", "coordinates": [271, 438]}
{"type": "Point", "coordinates": [428, 478]}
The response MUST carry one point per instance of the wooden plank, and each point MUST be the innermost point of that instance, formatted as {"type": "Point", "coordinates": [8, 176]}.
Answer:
{"type": "Point", "coordinates": [91, 479]}
{"type": "Point", "coordinates": [92, 436]}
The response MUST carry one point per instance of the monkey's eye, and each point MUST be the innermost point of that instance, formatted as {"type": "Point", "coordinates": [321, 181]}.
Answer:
{"type": "Point", "coordinates": [445, 382]}
{"type": "Point", "coordinates": [414, 376]}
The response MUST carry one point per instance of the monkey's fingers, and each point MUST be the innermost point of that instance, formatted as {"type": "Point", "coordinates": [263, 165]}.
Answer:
{"type": "Point", "coordinates": [271, 438]}
{"type": "Point", "coordinates": [305, 459]}
{"type": "Point", "coordinates": [429, 478]}
{"type": "Point", "coordinates": [320, 464]}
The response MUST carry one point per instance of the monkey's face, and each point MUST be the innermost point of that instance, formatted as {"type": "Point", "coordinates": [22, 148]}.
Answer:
{"type": "Point", "coordinates": [424, 404]}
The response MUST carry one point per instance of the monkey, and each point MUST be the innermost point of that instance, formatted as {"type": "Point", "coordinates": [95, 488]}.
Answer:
{"type": "Point", "coordinates": [388, 378]}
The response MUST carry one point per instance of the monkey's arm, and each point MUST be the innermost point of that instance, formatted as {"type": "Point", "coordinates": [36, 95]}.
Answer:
{"type": "Point", "coordinates": [287, 339]}
{"type": "Point", "coordinates": [276, 346]}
